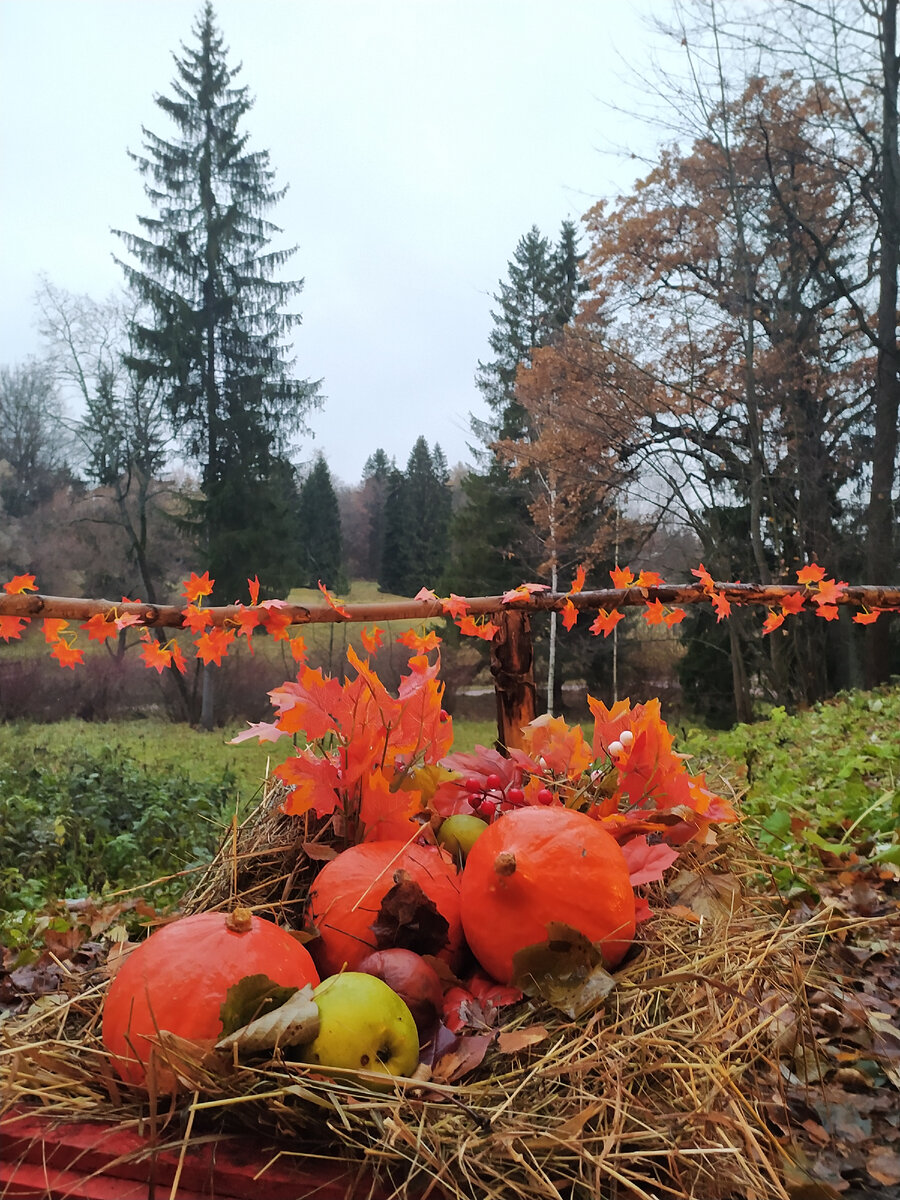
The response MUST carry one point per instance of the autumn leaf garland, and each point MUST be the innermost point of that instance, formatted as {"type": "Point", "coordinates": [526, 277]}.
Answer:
{"type": "Point", "coordinates": [214, 636]}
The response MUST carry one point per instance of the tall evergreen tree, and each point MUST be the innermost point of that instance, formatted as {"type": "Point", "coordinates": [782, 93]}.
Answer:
{"type": "Point", "coordinates": [416, 522]}
{"type": "Point", "coordinates": [493, 544]}
{"type": "Point", "coordinates": [215, 336]}
{"type": "Point", "coordinates": [319, 520]}
{"type": "Point", "coordinates": [376, 473]}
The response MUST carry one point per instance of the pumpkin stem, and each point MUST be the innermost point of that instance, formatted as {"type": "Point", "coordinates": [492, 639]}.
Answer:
{"type": "Point", "coordinates": [505, 863]}
{"type": "Point", "coordinates": [239, 920]}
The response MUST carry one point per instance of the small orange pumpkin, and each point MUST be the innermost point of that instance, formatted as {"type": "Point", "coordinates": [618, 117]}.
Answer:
{"type": "Point", "coordinates": [346, 895]}
{"type": "Point", "coordinates": [177, 980]}
{"type": "Point", "coordinates": [538, 865]}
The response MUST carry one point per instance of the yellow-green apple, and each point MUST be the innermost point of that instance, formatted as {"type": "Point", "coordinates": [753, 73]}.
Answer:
{"type": "Point", "coordinates": [363, 1026]}
{"type": "Point", "coordinates": [458, 834]}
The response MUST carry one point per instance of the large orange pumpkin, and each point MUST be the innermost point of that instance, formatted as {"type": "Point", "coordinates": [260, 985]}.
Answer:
{"type": "Point", "coordinates": [177, 980]}
{"type": "Point", "coordinates": [346, 897]}
{"type": "Point", "coordinates": [539, 865]}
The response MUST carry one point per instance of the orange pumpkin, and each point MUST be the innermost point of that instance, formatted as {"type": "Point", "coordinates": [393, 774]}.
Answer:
{"type": "Point", "coordinates": [346, 897]}
{"type": "Point", "coordinates": [537, 865]}
{"type": "Point", "coordinates": [178, 978]}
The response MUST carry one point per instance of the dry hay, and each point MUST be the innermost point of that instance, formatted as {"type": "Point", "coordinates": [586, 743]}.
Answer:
{"type": "Point", "coordinates": [666, 1090]}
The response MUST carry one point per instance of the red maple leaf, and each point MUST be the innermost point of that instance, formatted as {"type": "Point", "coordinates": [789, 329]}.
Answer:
{"type": "Point", "coordinates": [606, 622]}
{"type": "Point", "coordinates": [52, 628]}
{"type": "Point", "coordinates": [66, 655]}
{"type": "Point", "coordinates": [455, 606]}
{"type": "Point", "coordinates": [11, 627]}
{"type": "Point", "coordinates": [100, 627]}
{"type": "Point", "coordinates": [569, 614]}
{"type": "Point", "coordinates": [654, 614]}
{"type": "Point", "coordinates": [19, 584]}
{"type": "Point", "coordinates": [811, 573]}
{"type": "Point", "coordinates": [647, 862]}
{"type": "Point", "coordinates": [772, 621]}
{"type": "Point", "coordinates": [793, 602]}
{"type": "Point", "coordinates": [197, 586]}
{"type": "Point", "coordinates": [213, 646]}
{"type": "Point", "coordinates": [866, 618]}
{"type": "Point", "coordinates": [622, 577]}
{"type": "Point", "coordinates": [675, 617]}
{"type": "Point", "coordinates": [371, 639]}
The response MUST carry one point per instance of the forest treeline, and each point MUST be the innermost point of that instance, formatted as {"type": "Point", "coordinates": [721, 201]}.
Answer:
{"type": "Point", "coordinates": [703, 368]}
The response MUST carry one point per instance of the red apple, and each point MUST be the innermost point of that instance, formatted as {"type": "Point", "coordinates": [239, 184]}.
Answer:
{"type": "Point", "coordinates": [413, 979]}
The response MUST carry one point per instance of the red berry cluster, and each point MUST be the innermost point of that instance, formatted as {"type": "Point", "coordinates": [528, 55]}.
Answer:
{"type": "Point", "coordinates": [490, 797]}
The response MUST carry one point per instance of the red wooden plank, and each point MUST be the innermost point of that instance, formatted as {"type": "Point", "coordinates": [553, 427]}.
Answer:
{"type": "Point", "coordinates": [39, 1153]}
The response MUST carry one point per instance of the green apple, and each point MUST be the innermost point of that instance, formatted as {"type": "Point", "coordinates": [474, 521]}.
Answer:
{"type": "Point", "coordinates": [363, 1026]}
{"type": "Point", "coordinates": [459, 833]}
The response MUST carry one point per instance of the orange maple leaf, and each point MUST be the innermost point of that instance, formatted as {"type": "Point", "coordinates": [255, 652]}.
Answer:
{"type": "Point", "coordinates": [471, 628]}
{"type": "Point", "coordinates": [156, 656]}
{"type": "Point", "coordinates": [829, 591]}
{"type": "Point", "coordinates": [11, 627]}
{"type": "Point", "coordinates": [721, 604]}
{"type": "Point", "coordinates": [704, 576]}
{"type": "Point", "coordinates": [866, 618]}
{"type": "Point", "coordinates": [420, 642]}
{"type": "Point", "coordinates": [253, 585]}
{"type": "Point", "coordinates": [648, 579]}
{"type": "Point", "coordinates": [606, 622]}
{"type": "Point", "coordinates": [246, 621]}
{"type": "Point", "coordinates": [100, 627]}
{"type": "Point", "coordinates": [523, 592]}
{"type": "Point", "coordinates": [66, 655]}
{"type": "Point", "coordinates": [792, 603]}
{"type": "Point", "coordinates": [195, 619]}
{"type": "Point", "coordinates": [197, 586]}
{"type": "Point", "coordinates": [275, 622]}
{"type": "Point", "coordinates": [19, 584]}
{"type": "Point", "coordinates": [829, 612]}
{"type": "Point", "coordinates": [178, 660]}
{"type": "Point", "coordinates": [52, 627]}
{"type": "Point", "coordinates": [811, 573]}
{"type": "Point", "coordinates": [298, 648]}
{"type": "Point", "coordinates": [622, 577]}
{"type": "Point", "coordinates": [578, 581]}
{"type": "Point", "coordinates": [654, 613]}
{"type": "Point", "coordinates": [213, 646]}
{"type": "Point", "coordinates": [371, 639]}
{"type": "Point", "coordinates": [772, 621]}
{"type": "Point", "coordinates": [455, 606]}
{"type": "Point", "coordinates": [675, 617]}
{"type": "Point", "coordinates": [569, 614]}
{"type": "Point", "coordinates": [331, 602]}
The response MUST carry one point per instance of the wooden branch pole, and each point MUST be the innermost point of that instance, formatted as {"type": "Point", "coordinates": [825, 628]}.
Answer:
{"type": "Point", "coordinates": [512, 667]}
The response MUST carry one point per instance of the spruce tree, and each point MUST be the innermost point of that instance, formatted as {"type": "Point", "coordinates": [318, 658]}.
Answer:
{"type": "Point", "coordinates": [319, 520]}
{"type": "Point", "coordinates": [416, 522]}
{"type": "Point", "coordinates": [215, 338]}
{"type": "Point", "coordinates": [493, 542]}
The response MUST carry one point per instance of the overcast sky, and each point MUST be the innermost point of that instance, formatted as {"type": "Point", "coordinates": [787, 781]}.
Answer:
{"type": "Point", "coordinates": [419, 139]}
